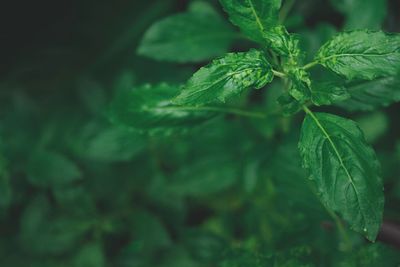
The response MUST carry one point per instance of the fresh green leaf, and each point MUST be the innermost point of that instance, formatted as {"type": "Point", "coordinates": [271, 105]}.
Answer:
{"type": "Point", "coordinates": [225, 78]}
{"type": "Point", "coordinates": [253, 17]}
{"type": "Point", "coordinates": [284, 44]}
{"type": "Point", "coordinates": [328, 93]}
{"type": "Point", "coordinates": [197, 35]}
{"type": "Point", "coordinates": [345, 170]}
{"type": "Point", "coordinates": [369, 95]}
{"type": "Point", "coordinates": [149, 107]}
{"type": "Point", "coordinates": [362, 54]}
{"type": "Point", "coordinates": [300, 88]}
{"type": "Point", "coordinates": [289, 104]}
{"type": "Point", "coordinates": [51, 169]}
{"type": "Point", "coordinates": [362, 14]}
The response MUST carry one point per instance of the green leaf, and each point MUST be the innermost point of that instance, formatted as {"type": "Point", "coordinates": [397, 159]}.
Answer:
{"type": "Point", "coordinates": [362, 14]}
{"type": "Point", "coordinates": [43, 233]}
{"type": "Point", "coordinates": [289, 104]}
{"type": "Point", "coordinates": [345, 170]}
{"type": "Point", "coordinates": [197, 35]}
{"type": "Point", "coordinates": [204, 177]}
{"type": "Point", "coordinates": [107, 143]}
{"type": "Point", "coordinates": [328, 93]}
{"type": "Point", "coordinates": [148, 107]}
{"type": "Point", "coordinates": [284, 44]}
{"type": "Point", "coordinates": [362, 54]}
{"type": "Point", "coordinates": [253, 17]}
{"type": "Point", "coordinates": [150, 232]}
{"type": "Point", "coordinates": [369, 95]}
{"type": "Point", "coordinates": [51, 169]}
{"type": "Point", "coordinates": [225, 78]}
{"type": "Point", "coordinates": [91, 255]}
{"type": "Point", "coordinates": [300, 88]}
{"type": "Point", "coordinates": [372, 255]}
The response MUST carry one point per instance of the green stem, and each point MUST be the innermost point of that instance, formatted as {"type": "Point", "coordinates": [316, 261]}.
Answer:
{"type": "Point", "coordinates": [279, 74]}
{"type": "Point", "coordinates": [310, 65]}
{"type": "Point", "coordinates": [341, 229]}
{"type": "Point", "coordinates": [235, 111]}
{"type": "Point", "coordinates": [285, 10]}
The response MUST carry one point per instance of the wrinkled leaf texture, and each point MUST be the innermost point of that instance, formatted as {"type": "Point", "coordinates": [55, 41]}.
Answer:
{"type": "Point", "coordinates": [345, 170]}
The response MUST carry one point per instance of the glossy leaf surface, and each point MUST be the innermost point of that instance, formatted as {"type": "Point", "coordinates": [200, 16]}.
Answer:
{"type": "Point", "coordinates": [226, 78]}
{"type": "Point", "coordinates": [362, 54]}
{"type": "Point", "coordinates": [345, 170]}
{"type": "Point", "coordinates": [253, 17]}
{"type": "Point", "coordinates": [197, 35]}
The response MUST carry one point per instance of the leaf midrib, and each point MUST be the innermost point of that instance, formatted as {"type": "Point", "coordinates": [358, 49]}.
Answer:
{"type": "Point", "coordinates": [206, 88]}
{"type": "Point", "coordinates": [258, 20]}
{"type": "Point", "coordinates": [321, 59]}
{"type": "Point", "coordinates": [328, 137]}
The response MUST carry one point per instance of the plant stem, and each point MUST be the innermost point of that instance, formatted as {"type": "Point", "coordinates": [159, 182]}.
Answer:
{"type": "Point", "coordinates": [285, 10]}
{"type": "Point", "coordinates": [341, 229]}
{"type": "Point", "coordinates": [236, 111]}
{"type": "Point", "coordinates": [310, 65]}
{"type": "Point", "coordinates": [278, 73]}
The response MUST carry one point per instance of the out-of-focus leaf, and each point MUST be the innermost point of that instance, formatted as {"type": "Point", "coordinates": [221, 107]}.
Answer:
{"type": "Point", "coordinates": [93, 95]}
{"type": "Point", "coordinates": [90, 255]}
{"type": "Point", "coordinates": [149, 232]}
{"type": "Point", "coordinates": [362, 14]}
{"type": "Point", "coordinates": [369, 95]}
{"type": "Point", "coordinates": [205, 247]}
{"type": "Point", "coordinates": [226, 78]}
{"type": "Point", "coordinates": [75, 199]}
{"type": "Point", "coordinates": [372, 255]}
{"type": "Point", "coordinates": [373, 125]}
{"type": "Point", "coordinates": [197, 35]}
{"type": "Point", "coordinates": [5, 185]}
{"type": "Point", "coordinates": [204, 177]}
{"type": "Point", "coordinates": [44, 234]}
{"type": "Point", "coordinates": [51, 169]}
{"type": "Point", "coordinates": [149, 108]}
{"type": "Point", "coordinates": [239, 258]}
{"type": "Point", "coordinates": [328, 93]}
{"type": "Point", "coordinates": [107, 143]}
{"type": "Point", "coordinates": [312, 39]}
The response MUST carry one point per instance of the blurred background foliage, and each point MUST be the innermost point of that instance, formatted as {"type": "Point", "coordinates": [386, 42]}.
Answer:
{"type": "Point", "coordinates": [77, 190]}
